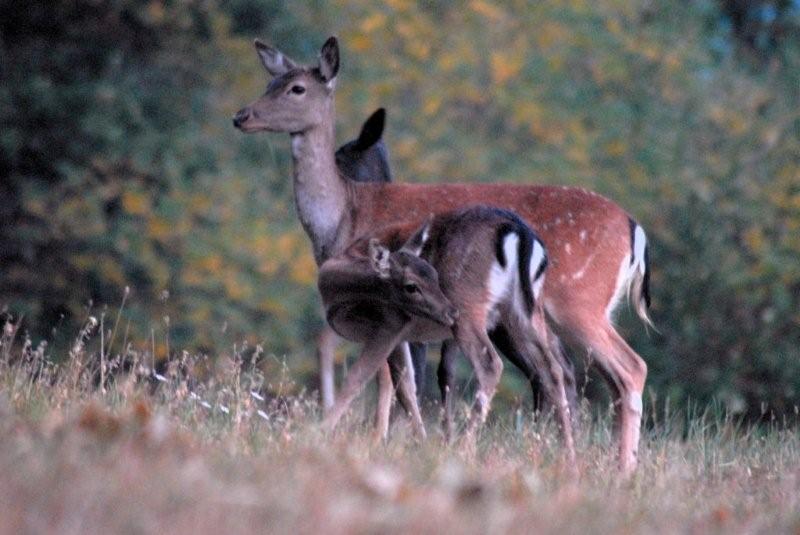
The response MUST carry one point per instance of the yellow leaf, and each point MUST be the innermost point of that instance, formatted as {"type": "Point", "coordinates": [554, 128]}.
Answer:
{"type": "Point", "coordinates": [159, 228]}
{"type": "Point", "coordinates": [487, 9]}
{"type": "Point", "coordinates": [505, 66]}
{"type": "Point", "coordinates": [360, 43]}
{"type": "Point", "coordinates": [418, 49]}
{"type": "Point", "coordinates": [304, 270]}
{"type": "Point", "coordinates": [373, 22]}
{"type": "Point", "coordinates": [754, 239]}
{"type": "Point", "coordinates": [134, 203]}
{"type": "Point", "coordinates": [616, 148]}
{"type": "Point", "coordinates": [613, 26]}
{"type": "Point", "coordinates": [432, 105]}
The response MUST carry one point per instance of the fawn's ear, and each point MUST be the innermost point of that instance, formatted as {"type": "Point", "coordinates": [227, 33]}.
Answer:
{"type": "Point", "coordinates": [379, 258]}
{"type": "Point", "coordinates": [417, 241]}
{"type": "Point", "coordinates": [273, 59]}
{"type": "Point", "coordinates": [329, 60]}
{"type": "Point", "coordinates": [372, 130]}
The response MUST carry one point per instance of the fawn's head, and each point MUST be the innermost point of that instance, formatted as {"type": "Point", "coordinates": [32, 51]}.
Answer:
{"type": "Point", "coordinates": [365, 159]}
{"type": "Point", "coordinates": [297, 98]}
{"type": "Point", "coordinates": [413, 283]}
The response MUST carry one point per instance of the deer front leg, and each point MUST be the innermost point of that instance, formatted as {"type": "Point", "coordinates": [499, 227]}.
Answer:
{"type": "Point", "coordinates": [385, 396]}
{"type": "Point", "coordinates": [568, 369]}
{"type": "Point", "coordinates": [446, 376]}
{"type": "Point", "coordinates": [374, 353]}
{"type": "Point", "coordinates": [403, 373]}
{"type": "Point", "coordinates": [326, 352]}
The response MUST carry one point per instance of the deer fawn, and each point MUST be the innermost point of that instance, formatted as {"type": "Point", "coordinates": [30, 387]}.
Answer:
{"type": "Point", "coordinates": [598, 253]}
{"type": "Point", "coordinates": [488, 263]}
{"type": "Point", "coordinates": [373, 297]}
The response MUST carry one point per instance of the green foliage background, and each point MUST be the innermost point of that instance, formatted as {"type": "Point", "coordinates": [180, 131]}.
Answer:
{"type": "Point", "coordinates": [120, 167]}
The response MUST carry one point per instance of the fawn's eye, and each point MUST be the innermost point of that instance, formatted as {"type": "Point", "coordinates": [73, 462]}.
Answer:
{"type": "Point", "coordinates": [410, 288]}
{"type": "Point", "coordinates": [298, 89]}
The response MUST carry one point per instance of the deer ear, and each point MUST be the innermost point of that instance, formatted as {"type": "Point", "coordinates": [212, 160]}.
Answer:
{"type": "Point", "coordinates": [273, 59]}
{"type": "Point", "coordinates": [329, 60]}
{"type": "Point", "coordinates": [417, 241]}
{"type": "Point", "coordinates": [379, 258]}
{"type": "Point", "coordinates": [372, 130]}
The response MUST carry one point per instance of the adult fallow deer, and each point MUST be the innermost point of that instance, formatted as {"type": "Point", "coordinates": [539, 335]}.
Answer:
{"type": "Point", "coordinates": [598, 253]}
{"type": "Point", "coordinates": [364, 159]}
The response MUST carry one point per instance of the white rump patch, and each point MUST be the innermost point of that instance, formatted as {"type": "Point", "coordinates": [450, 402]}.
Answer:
{"type": "Point", "coordinates": [501, 279]}
{"type": "Point", "coordinates": [537, 257]}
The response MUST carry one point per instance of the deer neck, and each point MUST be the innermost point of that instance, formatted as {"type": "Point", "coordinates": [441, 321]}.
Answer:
{"type": "Point", "coordinates": [321, 194]}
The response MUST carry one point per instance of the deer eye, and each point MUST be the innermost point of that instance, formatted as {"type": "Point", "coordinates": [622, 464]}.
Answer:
{"type": "Point", "coordinates": [410, 288]}
{"type": "Point", "coordinates": [298, 89]}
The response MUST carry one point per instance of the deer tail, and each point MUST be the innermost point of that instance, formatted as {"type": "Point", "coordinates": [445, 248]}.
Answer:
{"type": "Point", "coordinates": [639, 279]}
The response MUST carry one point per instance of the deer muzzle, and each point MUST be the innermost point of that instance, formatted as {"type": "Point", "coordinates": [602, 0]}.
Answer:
{"type": "Point", "coordinates": [241, 117]}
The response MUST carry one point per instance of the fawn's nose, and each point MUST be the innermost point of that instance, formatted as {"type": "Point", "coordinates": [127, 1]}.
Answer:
{"type": "Point", "coordinates": [452, 316]}
{"type": "Point", "coordinates": [240, 117]}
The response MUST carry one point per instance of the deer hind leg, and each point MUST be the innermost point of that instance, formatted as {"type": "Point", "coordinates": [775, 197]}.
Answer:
{"type": "Point", "coordinates": [385, 397]}
{"type": "Point", "coordinates": [568, 368]}
{"type": "Point", "coordinates": [549, 348]}
{"type": "Point", "coordinates": [530, 338]}
{"type": "Point", "coordinates": [488, 367]}
{"type": "Point", "coordinates": [419, 358]}
{"type": "Point", "coordinates": [626, 372]}
{"type": "Point", "coordinates": [446, 377]}
{"type": "Point", "coordinates": [374, 353]}
{"type": "Point", "coordinates": [502, 341]}
{"type": "Point", "coordinates": [402, 369]}
{"type": "Point", "coordinates": [326, 349]}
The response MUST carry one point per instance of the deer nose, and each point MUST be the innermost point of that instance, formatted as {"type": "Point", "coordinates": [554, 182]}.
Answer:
{"type": "Point", "coordinates": [240, 117]}
{"type": "Point", "coordinates": [452, 315]}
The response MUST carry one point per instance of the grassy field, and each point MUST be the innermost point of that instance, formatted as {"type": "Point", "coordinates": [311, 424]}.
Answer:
{"type": "Point", "coordinates": [153, 453]}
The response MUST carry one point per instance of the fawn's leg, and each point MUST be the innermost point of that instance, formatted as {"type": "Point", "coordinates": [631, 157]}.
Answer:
{"type": "Point", "coordinates": [385, 397]}
{"type": "Point", "coordinates": [374, 353]}
{"type": "Point", "coordinates": [403, 374]}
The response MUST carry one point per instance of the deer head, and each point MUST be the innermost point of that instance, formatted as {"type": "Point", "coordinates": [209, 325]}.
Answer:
{"type": "Point", "coordinates": [410, 283]}
{"type": "Point", "coordinates": [366, 159]}
{"type": "Point", "coordinates": [297, 98]}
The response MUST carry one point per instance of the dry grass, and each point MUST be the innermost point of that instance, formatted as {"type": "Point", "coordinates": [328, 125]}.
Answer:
{"type": "Point", "coordinates": [150, 454]}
